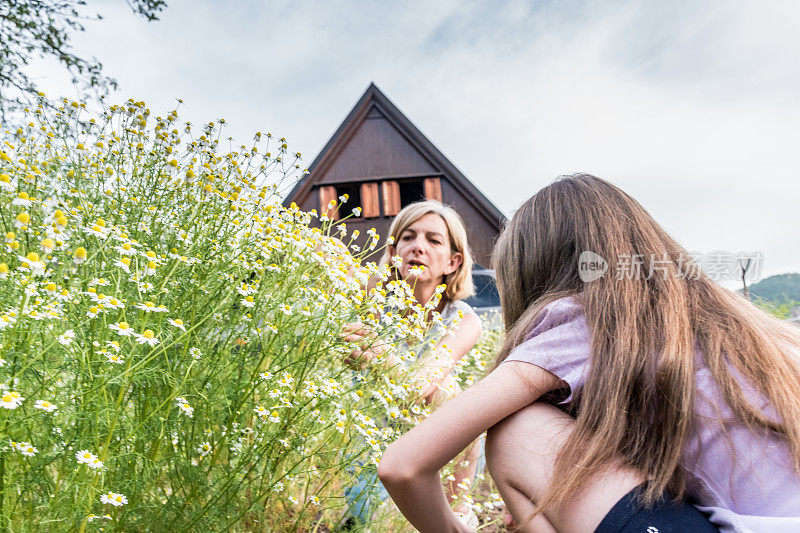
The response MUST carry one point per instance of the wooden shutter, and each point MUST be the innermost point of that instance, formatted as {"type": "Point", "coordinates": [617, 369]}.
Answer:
{"type": "Point", "coordinates": [432, 188]}
{"type": "Point", "coordinates": [391, 198]}
{"type": "Point", "coordinates": [370, 207]}
{"type": "Point", "coordinates": [326, 194]}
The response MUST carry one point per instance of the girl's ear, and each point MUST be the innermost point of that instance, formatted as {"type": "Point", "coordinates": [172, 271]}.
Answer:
{"type": "Point", "coordinates": [456, 258]}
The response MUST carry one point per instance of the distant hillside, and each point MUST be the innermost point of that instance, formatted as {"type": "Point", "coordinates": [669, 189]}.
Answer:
{"type": "Point", "coordinates": [779, 289]}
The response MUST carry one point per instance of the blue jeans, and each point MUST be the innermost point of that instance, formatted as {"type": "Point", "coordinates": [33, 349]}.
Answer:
{"type": "Point", "coordinates": [366, 493]}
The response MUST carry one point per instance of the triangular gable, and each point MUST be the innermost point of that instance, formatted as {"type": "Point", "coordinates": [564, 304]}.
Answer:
{"type": "Point", "coordinates": [336, 163]}
{"type": "Point", "coordinates": [396, 155]}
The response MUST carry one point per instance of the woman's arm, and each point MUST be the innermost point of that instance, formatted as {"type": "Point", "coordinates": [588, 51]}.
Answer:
{"type": "Point", "coordinates": [449, 352]}
{"type": "Point", "coordinates": [409, 469]}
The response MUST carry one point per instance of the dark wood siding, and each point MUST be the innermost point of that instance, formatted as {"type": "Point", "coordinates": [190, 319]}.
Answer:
{"type": "Point", "coordinates": [383, 162]}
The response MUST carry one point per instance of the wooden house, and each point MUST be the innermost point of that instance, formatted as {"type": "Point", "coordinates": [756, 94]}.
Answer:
{"type": "Point", "coordinates": [383, 163]}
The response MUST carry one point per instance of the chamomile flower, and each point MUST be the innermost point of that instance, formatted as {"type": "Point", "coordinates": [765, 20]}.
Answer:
{"type": "Point", "coordinates": [48, 245]}
{"type": "Point", "coordinates": [85, 456]}
{"type": "Point", "coordinates": [114, 498]}
{"type": "Point", "coordinates": [22, 220]}
{"type": "Point", "coordinates": [148, 337]}
{"type": "Point", "coordinates": [44, 405]}
{"type": "Point", "coordinates": [124, 263]}
{"type": "Point", "coordinates": [178, 323]}
{"type": "Point", "coordinates": [248, 301]}
{"type": "Point", "coordinates": [123, 328]}
{"type": "Point", "coordinates": [79, 255]}
{"type": "Point", "coordinates": [32, 263]}
{"type": "Point", "coordinates": [90, 460]}
{"type": "Point", "coordinates": [274, 417]}
{"type": "Point", "coordinates": [151, 307]}
{"type": "Point", "coordinates": [184, 406]}
{"type": "Point", "coordinates": [114, 358]}
{"type": "Point", "coordinates": [126, 249]}
{"type": "Point", "coordinates": [246, 289]}
{"type": "Point", "coordinates": [5, 182]}
{"type": "Point", "coordinates": [25, 448]}
{"type": "Point", "coordinates": [113, 303]}
{"type": "Point", "coordinates": [195, 353]}
{"type": "Point", "coordinates": [98, 229]}
{"type": "Point", "coordinates": [11, 400]}
{"type": "Point", "coordinates": [416, 270]}
{"type": "Point", "coordinates": [66, 338]}
{"type": "Point", "coordinates": [22, 200]}
{"type": "Point", "coordinates": [286, 309]}
{"type": "Point", "coordinates": [261, 411]}
{"type": "Point", "coordinates": [204, 449]}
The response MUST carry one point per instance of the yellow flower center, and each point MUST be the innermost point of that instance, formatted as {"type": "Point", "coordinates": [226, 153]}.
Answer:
{"type": "Point", "coordinates": [148, 334]}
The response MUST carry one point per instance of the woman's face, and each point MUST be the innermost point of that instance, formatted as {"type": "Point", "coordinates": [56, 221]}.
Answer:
{"type": "Point", "coordinates": [426, 243]}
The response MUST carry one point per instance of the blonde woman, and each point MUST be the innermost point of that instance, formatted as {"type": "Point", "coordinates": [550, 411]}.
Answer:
{"type": "Point", "coordinates": [431, 242]}
{"type": "Point", "coordinates": [649, 399]}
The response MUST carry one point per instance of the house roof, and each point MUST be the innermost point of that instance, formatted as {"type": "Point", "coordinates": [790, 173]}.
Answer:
{"type": "Point", "coordinates": [431, 162]}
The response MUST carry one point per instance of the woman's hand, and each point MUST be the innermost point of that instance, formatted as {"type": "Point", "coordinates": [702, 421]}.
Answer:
{"type": "Point", "coordinates": [368, 347]}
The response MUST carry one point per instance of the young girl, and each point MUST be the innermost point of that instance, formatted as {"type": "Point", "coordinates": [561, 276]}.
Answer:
{"type": "Point", "coordinates": [617, 401]}
{"type": "Point", "coordinates": [431, 242]}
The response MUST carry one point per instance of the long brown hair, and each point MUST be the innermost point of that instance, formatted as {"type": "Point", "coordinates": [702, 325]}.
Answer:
{"type": "Point", "coordinates": [637, 403]}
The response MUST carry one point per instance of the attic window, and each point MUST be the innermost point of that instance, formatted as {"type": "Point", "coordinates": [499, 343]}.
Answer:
{"type": "Point", "coordinates": [411, 191]}
{"type": "Point", "coordinates": [353, 192]}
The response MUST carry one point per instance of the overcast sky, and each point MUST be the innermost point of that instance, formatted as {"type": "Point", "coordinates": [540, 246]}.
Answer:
{"type": "Point", "coordinates": [692, 107]}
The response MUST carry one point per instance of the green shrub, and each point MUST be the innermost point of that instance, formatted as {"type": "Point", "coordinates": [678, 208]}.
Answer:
{"type": "Point", "coordinates": [171, 349]}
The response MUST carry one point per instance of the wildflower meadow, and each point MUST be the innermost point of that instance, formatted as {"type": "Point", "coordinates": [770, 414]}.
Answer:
{"type": "Point", "coordinates": [171, 355]}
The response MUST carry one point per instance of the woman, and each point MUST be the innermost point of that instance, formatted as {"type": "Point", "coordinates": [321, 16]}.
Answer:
{"type": "Point", "coordinates": [618, 401]}
{"type": "Point", "coordinates": [431, 243]}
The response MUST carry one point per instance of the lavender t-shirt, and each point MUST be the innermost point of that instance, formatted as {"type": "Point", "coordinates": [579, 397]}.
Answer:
{"type": "Point", "coordinates": [744, 481]}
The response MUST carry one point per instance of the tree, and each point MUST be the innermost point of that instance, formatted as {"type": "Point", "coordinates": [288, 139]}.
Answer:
{"type": "Point", "coordinates": [31, 28]}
